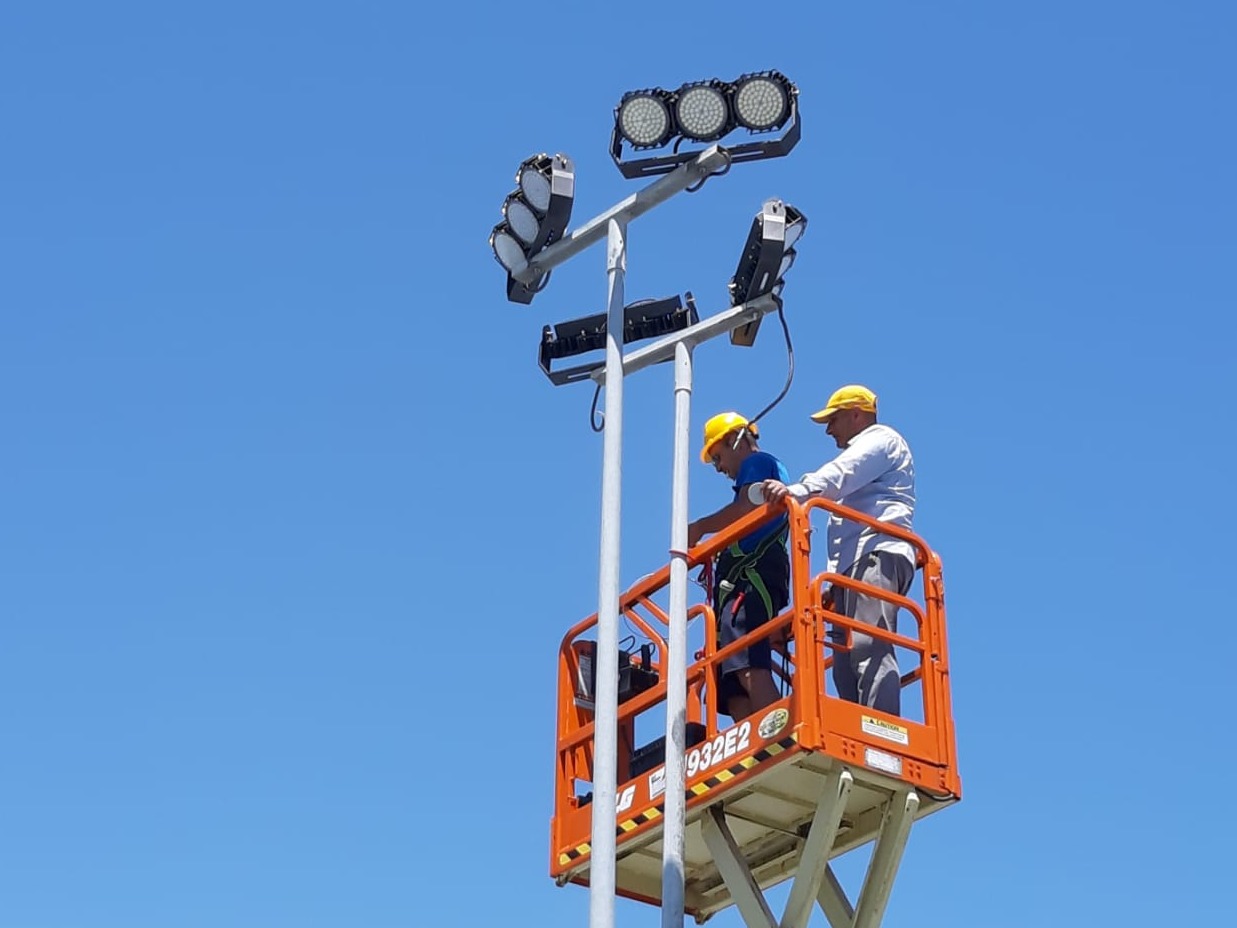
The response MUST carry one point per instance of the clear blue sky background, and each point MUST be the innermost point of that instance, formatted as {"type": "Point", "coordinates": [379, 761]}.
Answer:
{"type": "Point", "coordinates": [292, 523]}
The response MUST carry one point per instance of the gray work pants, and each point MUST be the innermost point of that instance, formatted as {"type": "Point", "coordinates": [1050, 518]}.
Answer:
{"type": "Point", "coordinates": [868, 672]}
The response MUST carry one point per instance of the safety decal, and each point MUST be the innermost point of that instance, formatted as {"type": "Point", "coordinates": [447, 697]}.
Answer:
{"type": "Point", "coordinates": [722, 776]}
{"type": "Point", "coordinates": [772, 723]}
{"type": "Point", "coordinates": [657, 782]}
{"type": "Point", "coordinates": [890, 731]}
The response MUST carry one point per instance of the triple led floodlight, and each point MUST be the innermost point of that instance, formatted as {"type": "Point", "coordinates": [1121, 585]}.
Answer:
{"type": "Point", "coordinates": [705, 111]}
{"type": "Point", "coordinates": [535, 215]}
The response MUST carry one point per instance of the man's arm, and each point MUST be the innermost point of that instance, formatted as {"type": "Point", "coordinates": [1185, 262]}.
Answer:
{"type": "Point", "coordinates": [710, 524]}
{"type": "Point", "coordinates": [861, 462]}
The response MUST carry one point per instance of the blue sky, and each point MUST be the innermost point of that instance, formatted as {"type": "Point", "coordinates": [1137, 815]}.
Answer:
{"type": "Point", "coordinates": [292, 523]}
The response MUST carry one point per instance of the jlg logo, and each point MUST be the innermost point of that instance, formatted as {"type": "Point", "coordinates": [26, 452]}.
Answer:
{"type": "Point", "coordinates": [625, 799]}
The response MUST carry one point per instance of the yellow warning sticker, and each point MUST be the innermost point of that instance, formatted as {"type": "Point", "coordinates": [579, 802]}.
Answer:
{"type": "Point", "coordinates": [887, 730]}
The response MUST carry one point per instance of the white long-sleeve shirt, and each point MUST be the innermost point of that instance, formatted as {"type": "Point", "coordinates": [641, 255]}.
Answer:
{"type": "Point", "coordinates": [874, 474]}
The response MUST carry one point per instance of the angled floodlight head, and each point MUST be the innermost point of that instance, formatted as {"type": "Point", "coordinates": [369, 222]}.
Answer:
{"type": "Point", "coordinates": [767, 255]}
{"type": "Point", "coordinates": [762, 102]}
{"type": "Point", "coordinates": [535, 215]}
{"type": "Point", "coordinates": [641, 320]}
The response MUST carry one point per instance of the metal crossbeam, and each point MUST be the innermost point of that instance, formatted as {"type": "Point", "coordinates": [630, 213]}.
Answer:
{"type": "Point", "coordinates": [686, 175]}
{"type": "Point", "coordinates": [833, 902]}
{"type": "Point", "coordinates": [734, 870]}
{"type": "Point", "coordinates": [718, 324]}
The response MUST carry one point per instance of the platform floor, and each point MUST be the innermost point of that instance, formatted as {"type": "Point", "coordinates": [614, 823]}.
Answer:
{"type": "Point", "coordinates": [769, 815]}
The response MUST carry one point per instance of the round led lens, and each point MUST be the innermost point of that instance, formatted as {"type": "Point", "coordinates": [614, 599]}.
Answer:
{"type": "Point", "coordinates": [644, 120]}
{"type": "Point", "coordinates": [702, 112]}
{"type": "Point", "coordinates": [760, 103]}
{"type": "Point", "coordinates": [536, 187]}
{"type": "Point", "coordinates": [506, 249]}
{"type": "Point", "coordinates": [522, 220]}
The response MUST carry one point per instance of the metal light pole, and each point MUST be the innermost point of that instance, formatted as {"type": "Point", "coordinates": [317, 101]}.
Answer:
{"type": "Point", "coordinates": [761, 102]}
{"type": "Point", "coordinates": [679, 346]}
{"type": "Point", "coordinates": [672, 887]}
{"type": "Point", "coordinates": [613, 225]}
{"type": "Point", "coordinates": [605, 732]}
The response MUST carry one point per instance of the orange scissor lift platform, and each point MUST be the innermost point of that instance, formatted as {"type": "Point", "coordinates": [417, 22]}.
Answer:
{"type": "Point", "coordinates": [775, 796]}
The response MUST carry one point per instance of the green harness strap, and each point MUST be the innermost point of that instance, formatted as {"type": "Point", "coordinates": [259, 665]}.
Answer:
{"type": "Point", "coordinates": [745, 566]}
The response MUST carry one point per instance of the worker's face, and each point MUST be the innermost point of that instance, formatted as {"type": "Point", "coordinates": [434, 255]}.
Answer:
{"type": "Point", "coordinates": [726, 458]}
{"type": "Point", "coordinates": [844, 425]}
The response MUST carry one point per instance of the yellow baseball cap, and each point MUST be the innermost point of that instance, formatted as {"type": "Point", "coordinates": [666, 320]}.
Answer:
{"type": "Point", "coordinates": [851, 396]}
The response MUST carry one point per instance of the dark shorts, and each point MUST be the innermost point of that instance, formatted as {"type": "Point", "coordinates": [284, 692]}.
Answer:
{"type": "Point", "coordinates": [759, 594]}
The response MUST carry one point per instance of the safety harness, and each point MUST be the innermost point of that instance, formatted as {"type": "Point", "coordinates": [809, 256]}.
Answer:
{"type": "Point", "coordinates": [743, 566]}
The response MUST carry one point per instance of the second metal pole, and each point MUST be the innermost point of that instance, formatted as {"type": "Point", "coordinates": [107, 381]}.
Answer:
{"type": "Point", "coordinates": [672, 889]}
{"type": "Point", "coordinates": [605, 736]}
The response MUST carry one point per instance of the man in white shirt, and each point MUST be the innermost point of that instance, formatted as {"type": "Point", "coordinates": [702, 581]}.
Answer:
{"type": "Point", "coordinates": [874, 474]}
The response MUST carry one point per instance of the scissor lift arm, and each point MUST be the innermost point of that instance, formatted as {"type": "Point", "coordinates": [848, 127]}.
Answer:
{"type": "Point", "coordinates": [814, 879]}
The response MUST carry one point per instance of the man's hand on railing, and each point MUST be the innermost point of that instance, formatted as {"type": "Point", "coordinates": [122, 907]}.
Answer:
{"type": "Point", "coordinates": [774, 490]}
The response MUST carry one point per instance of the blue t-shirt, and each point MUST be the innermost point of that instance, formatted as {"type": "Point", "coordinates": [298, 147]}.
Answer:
{"type": "Point", "coordinates": [758, 466]}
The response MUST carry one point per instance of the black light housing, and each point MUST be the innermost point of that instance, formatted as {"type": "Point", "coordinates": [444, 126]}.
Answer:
{"type": "Point", "coordinates": [641, 320]}
{"type": "Point", "coordinates": [768, 254]}
{"type": "Point", "coordinates": [705, 111]}
{"type": "Point", "coordinates": [535, 215]}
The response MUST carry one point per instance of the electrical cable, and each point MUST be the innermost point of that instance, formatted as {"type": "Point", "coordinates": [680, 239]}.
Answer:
{"type": "Point", "coordinates": [597, 422]}
{"type": "Point", "coordinates": [790, 367]}
{"type": "Point", "coordinates": [790, 376]}
{"type": "Point", "coordinates": [720, 172]}
{"type": "Point", "coordinates": [542, 283]}
{"type": "Point", "coordinates": [636, 636]}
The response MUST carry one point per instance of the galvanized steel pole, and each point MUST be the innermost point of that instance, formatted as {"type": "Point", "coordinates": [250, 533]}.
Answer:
{"type": "Point", "coordinates": [672, 888]}
{"type": "Point", "coordinates": [612, 224]}
{"type": "Point", "coordinates": [605, 736]}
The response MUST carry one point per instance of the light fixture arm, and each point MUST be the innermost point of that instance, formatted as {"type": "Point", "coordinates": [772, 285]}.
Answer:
{"type": "Point", "coordinates": [719, 324]}
{"type": "Point", "coordinates": [577, 240]}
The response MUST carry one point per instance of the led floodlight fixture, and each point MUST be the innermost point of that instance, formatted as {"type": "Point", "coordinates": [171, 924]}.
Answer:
{"type": "Point", "coordinates": [768, 254]}
{"type": "Point", "coordinates": [762, 101]}
{"type": "Point", "coordinates": [705, 111]}
{"type": "Point", "coordinates": [645, 319]}
{"type": "Point", "coordinates": [535, 215]}
{"type": "Point", "coordinates": [643, 118]}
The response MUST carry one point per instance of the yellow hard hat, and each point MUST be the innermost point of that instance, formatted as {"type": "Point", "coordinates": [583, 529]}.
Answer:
{"type": "Point", "coordinates": [722, 425]}
{"type": "Point", "coordinates": [851, 396]}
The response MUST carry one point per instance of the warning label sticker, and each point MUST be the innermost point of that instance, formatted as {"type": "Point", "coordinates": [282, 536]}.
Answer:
{"type": "Point", "coordinates": [887, 730]}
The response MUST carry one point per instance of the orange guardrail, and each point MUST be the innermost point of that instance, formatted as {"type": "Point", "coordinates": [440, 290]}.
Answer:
{"type": "Point", "coordinates": [799, 634]}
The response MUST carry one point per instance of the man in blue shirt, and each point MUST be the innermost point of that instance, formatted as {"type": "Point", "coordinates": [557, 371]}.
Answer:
{"type": "Point", "coordinates": [752, 576]}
